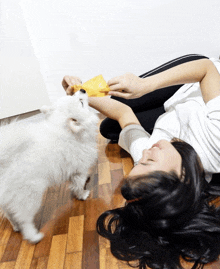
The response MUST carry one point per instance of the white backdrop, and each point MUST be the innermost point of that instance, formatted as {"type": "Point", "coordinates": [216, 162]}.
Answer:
{"type": "Point", "coordinates": [87, 38]}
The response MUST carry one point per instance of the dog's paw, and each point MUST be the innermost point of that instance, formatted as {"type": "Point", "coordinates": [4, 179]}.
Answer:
{"type": "Point", "coordinates": [16, 228]}
{"type": "Point", "coordinates": [36, 238]}
{"type": "Point", "coordinates": [83, 195]}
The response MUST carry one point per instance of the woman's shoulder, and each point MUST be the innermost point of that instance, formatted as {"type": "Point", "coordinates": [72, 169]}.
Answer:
{"type": "Point", "coordinates": [131, 133]}
{"type": "Point", "coordinates": [133, 138]}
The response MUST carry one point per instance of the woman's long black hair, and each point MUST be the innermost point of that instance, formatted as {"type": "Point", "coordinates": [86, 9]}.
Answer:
{"type": "Point", "coordinates": [170, 218]}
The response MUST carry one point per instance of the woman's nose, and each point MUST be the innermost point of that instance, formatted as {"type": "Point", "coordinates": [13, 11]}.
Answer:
{"type": "Point", "coordinates": [145, 154]}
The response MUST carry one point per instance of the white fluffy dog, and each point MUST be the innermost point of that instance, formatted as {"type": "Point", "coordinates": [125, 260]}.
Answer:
{"type": "Point", "coordinates": [34, 156]}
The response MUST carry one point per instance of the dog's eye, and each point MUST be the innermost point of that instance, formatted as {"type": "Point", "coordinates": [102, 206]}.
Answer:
{"type": "Point", "coordinates": [74, 120]}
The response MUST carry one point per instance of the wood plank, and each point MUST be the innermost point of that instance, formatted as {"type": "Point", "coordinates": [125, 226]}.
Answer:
{"type": "Point", "coordinates": [105, 193]}
{"type": "Point", "coordinates": [101, 140]}
{"type": "Point", "coordinates": [117, 180]}
{"type": "Point", "coordinates": [57, 252]}
{"type": "Point", "coordinates": [127, 165]}
{"type": "Point", "coordinates": [42, 263]}
{"type": "Point", "coordinates": [39, 215]}
{"type": "Point", "coordinates": [61, 218]}
{"type": "Point", "coordinates": [5, 235]}
{"type": "Point", "coordinates": [48, 222]}
{"type": "Point", "coordinates": [93, 209]}
{"type": "Point", "coordinates": [7, 265]}
{"type": "Point", "coordinates": [102, 158]}
{"type": "Point", "coordinates": [75, 234]}
{"type": "Point", "coordinates": [25, 256]}
{"type": "Point", "coordinates": [103, 245]}
{"type": "Point", "coordinates": [111, 261]}
{"type": "Point", "coordinates": [5, 230]}
{"type": "Point", "coordinates": [33, 264]}
{"type": "Point", "coordinates": [115, 165]}
{"type": "Point", "coordinates": [123, 265]}
{"type": "Point", "coordinates": [118, 200]}
{"type": "Point", "coordinates": [107, 260]}
{"type": "Point", "coordinates": [50, 206]}
{"type": "Point", "coordinates": [113, 147]}
{"type": "Point", "coordinates": [115, 160]}
{"type": "Point", "coordinates": [12, 248]}
{"type": "Point", "coordinates": [90, 258]}
{"type": "Point", "coordinates": [43, 247]}
{"type": "Point", "coordinates": [93, 187]}
{"type": "Point", "coordinates": [113, 153]}
{"type": "Point", "coordinates": [64, 194]}
{"type": "Point", "coordinates": [104, 173]}
{"type": "Point", "coordinates": [73, 260]}
{"type": "Point", "coordinates": [78, 208]}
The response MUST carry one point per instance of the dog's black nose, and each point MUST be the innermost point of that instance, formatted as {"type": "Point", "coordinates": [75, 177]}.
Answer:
{"type": "Point", "coordinates": [82, 90]}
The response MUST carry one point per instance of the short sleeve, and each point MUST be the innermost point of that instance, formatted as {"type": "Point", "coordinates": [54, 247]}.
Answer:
{"type": "Point", "coordinates": [133, 138]}
{"type": "Point", "coordinates": [213, 123]}
{"type": "Point", "coordinates": [213, 107]}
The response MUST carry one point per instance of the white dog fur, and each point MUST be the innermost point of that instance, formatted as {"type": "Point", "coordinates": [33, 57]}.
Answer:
{"type": "Point", "coordinates": [34, 156]}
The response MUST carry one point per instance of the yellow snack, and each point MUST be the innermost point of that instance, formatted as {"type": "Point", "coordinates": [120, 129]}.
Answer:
{"type": "Point", "coordinates": [77, 87]}
{"type": "Point", "coordinates": [96, 86]}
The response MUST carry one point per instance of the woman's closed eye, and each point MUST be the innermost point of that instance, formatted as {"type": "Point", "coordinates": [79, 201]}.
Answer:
{"type": "Point", "coordinates": [147, 163]}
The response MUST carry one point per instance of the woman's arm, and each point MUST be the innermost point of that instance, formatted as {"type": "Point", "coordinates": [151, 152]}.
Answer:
{"type": "Point", "coordinates": [110, 108]}
{"type": "Point", "coordinates": [115, 110]}
{"type": "Point", "coordinates": [202, 71]}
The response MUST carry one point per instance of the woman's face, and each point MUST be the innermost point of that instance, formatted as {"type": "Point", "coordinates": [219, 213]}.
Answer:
{"type": "Point", "coordinates": [162, 156]}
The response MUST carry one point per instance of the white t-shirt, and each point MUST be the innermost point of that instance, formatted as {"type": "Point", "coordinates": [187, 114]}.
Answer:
{"type": "Point", "coordinates": [187, 117]}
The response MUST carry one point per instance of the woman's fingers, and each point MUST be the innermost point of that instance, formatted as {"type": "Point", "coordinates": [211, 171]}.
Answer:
{"type": "Point", "coordinates": [114, 81]}
{"type": "Point", "coordinates": [116, 87]}
{"type": "Point", "coordinates": [70, 90]}
{"type": "Point", "coordinates": [68, 82]}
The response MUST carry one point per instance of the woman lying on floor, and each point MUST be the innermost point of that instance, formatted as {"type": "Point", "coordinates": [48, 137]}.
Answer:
{"type": "Point", "coordinates": [171, 127]}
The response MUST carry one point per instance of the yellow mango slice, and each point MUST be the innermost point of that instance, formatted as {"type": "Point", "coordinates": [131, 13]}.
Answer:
{"type": "Point", "coordinates": [96, 86]}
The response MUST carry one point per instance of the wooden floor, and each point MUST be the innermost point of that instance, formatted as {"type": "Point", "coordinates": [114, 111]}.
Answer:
{"type": "Point", "coordinates": [71, 240]}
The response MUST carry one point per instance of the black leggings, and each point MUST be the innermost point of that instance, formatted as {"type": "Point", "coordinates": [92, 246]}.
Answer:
{"type": "Point", "coordinates": [150, 106]}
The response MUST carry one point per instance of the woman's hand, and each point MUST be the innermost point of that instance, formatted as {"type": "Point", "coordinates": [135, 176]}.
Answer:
{"type": "Point", "coordinates": [128, 86]}
{"type": "Point", "coordinates": [68, 82]}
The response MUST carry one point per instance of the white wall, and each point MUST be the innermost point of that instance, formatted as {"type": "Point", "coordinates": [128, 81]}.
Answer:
{"type": "Point", "coordinates": [22, 87]}
{"type": "Point", "coordinates": [87, 38]}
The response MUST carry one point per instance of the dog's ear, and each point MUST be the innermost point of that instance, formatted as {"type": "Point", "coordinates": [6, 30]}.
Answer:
{"type": "Point", "coordinates": [46, 110]}
{"type": "Point", "coordinates": [75, 125]}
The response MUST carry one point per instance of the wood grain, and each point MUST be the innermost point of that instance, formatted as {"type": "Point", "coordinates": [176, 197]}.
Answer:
{"type": "Point", "coordinates": [57, 252]}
